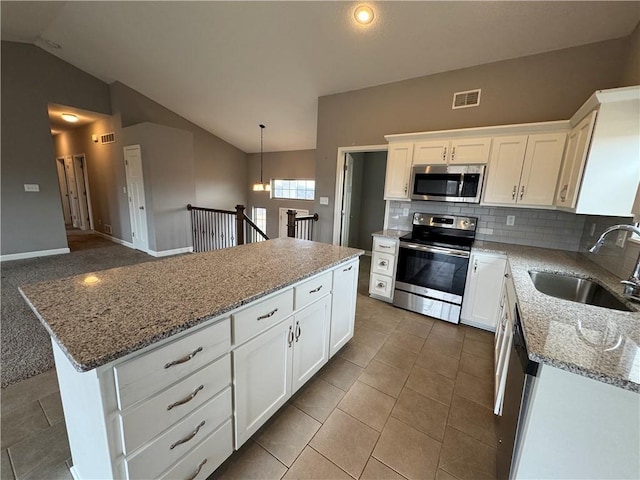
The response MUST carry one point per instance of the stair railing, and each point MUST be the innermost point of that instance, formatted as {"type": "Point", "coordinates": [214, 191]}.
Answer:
{"type": "Point", "coordinates": [300, 227]}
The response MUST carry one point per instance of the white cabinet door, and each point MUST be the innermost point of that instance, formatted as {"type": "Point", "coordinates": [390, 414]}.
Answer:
{"type": "Point", "coordinates": [540, 170]}
{"type": "Point", "coordinates": [481, 302]}
{"type": "Point", "coordinates": [262, 378]}
{"type": "Point", "coordinates": [343, 305]}
{"type": "Point", "coordinates": [470, 150]}
{"type": "Point", "coordinates": [505, 167]}
{"type": "Point", "coordinates": [431, 152]}
{"type": "Point", "coordinates": [574, 160]}
{"type": "Point", "coordinates": [399, 160]}
{"type": "Point", "coordinates": [311, 346]}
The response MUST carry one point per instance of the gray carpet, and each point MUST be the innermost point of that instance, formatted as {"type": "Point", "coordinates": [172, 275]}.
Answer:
{"type": "Point", "coordinates": [25, 345]}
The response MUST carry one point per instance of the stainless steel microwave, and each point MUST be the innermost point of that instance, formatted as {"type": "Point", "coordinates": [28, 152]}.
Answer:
{"type": "Point", "coordinates": [447, 183]}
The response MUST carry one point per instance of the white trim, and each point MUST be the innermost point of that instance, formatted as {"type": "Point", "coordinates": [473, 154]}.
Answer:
{"type": "Point", "coordinates": [173, 251]}
{"type": "Point", "coordinates": [337, 204]}
{"type": "Point", "coordinates": [114, 239]}
{"type": "Point", "coordinates": [34, 254]}
{"type": "Point", "coordinates": [85, 172]}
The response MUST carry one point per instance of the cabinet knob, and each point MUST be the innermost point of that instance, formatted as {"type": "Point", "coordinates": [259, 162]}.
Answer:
{"type": "Point", "coordinates": [506, 275]}
{"type": "Point", "coordinates": [453, 153]}
{"type": "Point", "coordinates": [521, 192]}
{"type": "Point", "coordinates": [475, 266]}
{"type": "Point", "coordinates": [406, 187]}
{"type": "Point", "coordinates": [513, 194]}
{"type": "Point", "coordinates": [444, 154]}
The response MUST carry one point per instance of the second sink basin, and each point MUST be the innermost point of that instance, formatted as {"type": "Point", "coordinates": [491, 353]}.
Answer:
{"type": "Point", "coordinates": [575, 289]}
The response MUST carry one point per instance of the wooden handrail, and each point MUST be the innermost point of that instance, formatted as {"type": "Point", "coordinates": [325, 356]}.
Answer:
{"type": "Point", "coordinates": [202, 209]}
{"type": "Point", "coordinates": [256, 228]}
{"type": "Point", "coordinates": [240, 219]}
{"type": "Point", "coordinates": [308, 217]}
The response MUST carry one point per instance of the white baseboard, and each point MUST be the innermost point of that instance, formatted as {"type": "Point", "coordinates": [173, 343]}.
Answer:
{"type": "Point", "coordinates": [114, 239]}
{"type": "Point", "coordinates": [174, 251]}
{"type": "Point", "coordinates": [38, 253]}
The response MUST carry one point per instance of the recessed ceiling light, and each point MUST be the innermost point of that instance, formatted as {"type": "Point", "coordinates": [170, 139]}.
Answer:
{"type": "Point", "coordinates": [70, 117]}
{"type": "Point", "coordinates": [363, 14]}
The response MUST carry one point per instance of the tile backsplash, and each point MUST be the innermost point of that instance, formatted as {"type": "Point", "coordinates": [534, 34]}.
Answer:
{"type": "Point", "coordinates": [539, 228]}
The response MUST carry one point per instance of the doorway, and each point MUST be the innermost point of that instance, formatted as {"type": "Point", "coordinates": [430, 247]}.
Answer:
{"type": "Point", "coordinates": [73, 182]}
{"type": "Point", "coordinates": [360, 204]}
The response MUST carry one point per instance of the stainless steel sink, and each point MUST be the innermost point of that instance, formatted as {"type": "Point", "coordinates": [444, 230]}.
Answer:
{"type": "Point", "coordinates": [576, 289]}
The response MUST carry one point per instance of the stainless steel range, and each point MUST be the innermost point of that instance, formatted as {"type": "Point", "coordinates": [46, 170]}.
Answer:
{"type": "Point", "coordinates": [432, 265]}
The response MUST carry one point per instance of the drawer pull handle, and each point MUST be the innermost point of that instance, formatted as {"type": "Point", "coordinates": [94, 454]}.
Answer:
{"type": "Point", "coordinates": [290, 336]}
{"type": "Point", "coordinates": [267, 315]}
{"type": "Point", "coordinates": [184, 359]}
{"type": "Point", "coordinates": [185, 400]}
{"type": "Point", "coordinates": [385, 246]}
{"type": "Point", "coordinates": [192, 477]}
{"type": "Point", "coordinates": [347, 269]}
{"type": "Point", "coordinates": [380, 285]}
{"type": "Point", "coordinates": [188, 437]}
{"type": "Point", "coordinates": [383, 263]}
{"type": "Point", "coordinates": [315, 289]}
{"type": "Point", "coordinates": [298, 331]}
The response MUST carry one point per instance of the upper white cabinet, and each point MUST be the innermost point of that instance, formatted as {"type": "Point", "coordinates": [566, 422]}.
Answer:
{"type": "Point", "coordinates": [523, 169]}
{"type": "Point", "coordinates": [601, 166]}
{"type": "Point", "coordinates": [460, 151]}
{"type": "Point", "coordinates": [399, 160]}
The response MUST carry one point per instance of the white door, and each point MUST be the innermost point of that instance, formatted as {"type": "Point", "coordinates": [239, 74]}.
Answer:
{"type": "Point", "coordinates": [135, 189]}
{"type": "Point", "coordinates": [282, 225]}
{"type": "Point", "coordinates": [505, 166]}
{"type": "Point", "coordinates": [481, 302]}
{"type": "Point", "coordinates": [262, 378]}
{"type": "Point", "coordinates": [80, 168]}
{"type": "Point", "coordinates": [73, 191]}
{"type": "Point", "coordinates": [343, 305]}
{"type": "Point", "coordinates": [346, 199]}
{"type": "Point", "coordinates": [541, 166]}
{"type": "Point", "coordinates": [64, 191]}
{"type": "Point", "coordinates": [311, 346]}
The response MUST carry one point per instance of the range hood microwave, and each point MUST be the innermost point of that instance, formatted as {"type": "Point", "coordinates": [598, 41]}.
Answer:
{"type": "Point", "coordinates": [447, 183]}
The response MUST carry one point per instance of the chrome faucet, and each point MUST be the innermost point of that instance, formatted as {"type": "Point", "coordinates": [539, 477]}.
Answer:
{"type": "Point", "coordinates": [632, 285]}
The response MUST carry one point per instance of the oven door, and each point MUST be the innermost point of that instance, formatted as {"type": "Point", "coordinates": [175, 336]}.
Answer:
{"type": "Point", "coordinates": [432, 272]}
{"type": "Point", "coordinates": [457, 183]}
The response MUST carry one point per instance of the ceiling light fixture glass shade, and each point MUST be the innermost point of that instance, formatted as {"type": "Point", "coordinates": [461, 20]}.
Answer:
{"type": "Point", "coordinates": [261, 187]}
{"type": "Point", "coordinates": [363, 14]}
{"type": "Point", "coordinates": [69, 117]}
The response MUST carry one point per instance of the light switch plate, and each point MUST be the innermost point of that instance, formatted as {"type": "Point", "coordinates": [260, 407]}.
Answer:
{"type": "Point", "coordinates": [31, 187]}
{"type": "Point", "coordinates": [324, 200]}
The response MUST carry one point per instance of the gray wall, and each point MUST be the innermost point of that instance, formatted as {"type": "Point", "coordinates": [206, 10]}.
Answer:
{"type": "Point", "coordinates": [30, 79]}
{"type": "Point", "coordinates": [631, 72]}
{"type": "Point", "coordinates": [535, 227]}
{"type": "Point", "coordinates": [169, 172]}
{"type": "Point", "coordinates": [299, 164]}
{"type": "Point", "coordinates": [549, 86]}
{"type": "Point", "coordinates": [220, 168]}
{"type": "Point", "coordinates": [105, 169]}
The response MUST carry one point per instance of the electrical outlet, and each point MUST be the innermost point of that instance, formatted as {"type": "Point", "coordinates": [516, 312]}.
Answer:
{"type": "Point", "coordinates": [511, 220]}
{"type": "Point", "coordinates": [107, 228]}
{"type": "Point", "coordinates": [405, 212]}
{"type": "Point", "coordinates": [592, 231]}
{"type": "Point", "coordinates": [622, 237]}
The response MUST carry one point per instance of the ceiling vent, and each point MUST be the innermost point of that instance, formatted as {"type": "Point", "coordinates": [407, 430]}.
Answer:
{"type": "Point", "coordinates": [470, 98]}
{"type": "Point", "coordinates": [107, 138]}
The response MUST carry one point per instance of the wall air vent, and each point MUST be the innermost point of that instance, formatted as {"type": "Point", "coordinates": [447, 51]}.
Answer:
{"type": "Point", "coordinates": [470, 98]}
{"type": "Point", "coordinates": [107, 138]}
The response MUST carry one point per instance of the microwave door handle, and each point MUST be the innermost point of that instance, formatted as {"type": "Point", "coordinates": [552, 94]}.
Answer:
{"type": "Point", "coordinates": [461, 185]}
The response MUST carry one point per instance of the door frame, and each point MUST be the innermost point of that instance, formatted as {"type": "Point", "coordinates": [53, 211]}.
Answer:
{"type": "Point", "coordinates": [64, 195]}
{"type": "Point", "coordinates": [338, 211]}
{"type": "Point", "coordinates": [138, 244]}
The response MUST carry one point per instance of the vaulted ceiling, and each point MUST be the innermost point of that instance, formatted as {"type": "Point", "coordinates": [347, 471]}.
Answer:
{"type": "Point", "coordinates": [229, 66]}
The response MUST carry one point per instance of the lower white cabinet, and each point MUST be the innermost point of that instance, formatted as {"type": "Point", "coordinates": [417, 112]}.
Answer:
{"type": "Point", "coordinates": [481, 302]}
{"type": "Point", "coordinates": [503, 340]}
{"type": "Point", "coordinates": [343, 306]}
{"type": "Point", "coordinates": [383, 268]}
{"type": "Point", "coordinates": [262, 378]}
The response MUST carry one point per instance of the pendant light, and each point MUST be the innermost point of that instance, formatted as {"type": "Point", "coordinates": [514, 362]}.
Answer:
{"type": "Point", "coordinates": [261, 187]}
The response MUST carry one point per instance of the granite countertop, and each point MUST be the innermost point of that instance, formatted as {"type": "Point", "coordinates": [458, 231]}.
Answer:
{"type": "Point", "coordinates": [390, 233]}
{"type": "Point", "coordinates": [99, 317]}
{"type": "Point", "coordinates": [596, 342]}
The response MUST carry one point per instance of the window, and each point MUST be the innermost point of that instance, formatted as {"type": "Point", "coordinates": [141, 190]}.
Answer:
{"type": "Point", "coordinates": [260, 218]}
{"type": "Point", "coordinates": [294, 189]}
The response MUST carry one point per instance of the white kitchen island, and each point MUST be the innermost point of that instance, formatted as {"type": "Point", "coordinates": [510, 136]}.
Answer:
{"type": "Point", "coordinates": [165, 368]}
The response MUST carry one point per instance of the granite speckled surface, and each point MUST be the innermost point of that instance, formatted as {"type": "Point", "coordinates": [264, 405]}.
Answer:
{"type": "Point", "coordinates": [390, 233]}
{"type": "Point", "coordinates": [596, 342]}
{"type": "Point", "coordinates": [99, 317]}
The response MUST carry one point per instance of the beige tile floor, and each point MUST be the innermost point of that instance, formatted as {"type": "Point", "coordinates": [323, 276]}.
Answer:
{"type": "Point", "coordinates": [408, 397]}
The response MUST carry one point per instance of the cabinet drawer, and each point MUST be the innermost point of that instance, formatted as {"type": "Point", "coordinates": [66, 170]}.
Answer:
{"type": "Point", "coordinates": [261, 315]}
{"type": "Point", "coordinates": [206, 457]}
{"type": "Point", "coordinates": [381, 285]}
{"type": "Point", "coordinates": [310, 290]}
{"type": "Point", "coordinates": [384, 245]}
{"type": "Point", "coordinates": [146, 374]}
{"type": "Point", "coordinates": [168, 447]}
{"type": "Point", "coordinates": [149, 418]}
{"type": "Point", "coordinates": [383, 263]}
